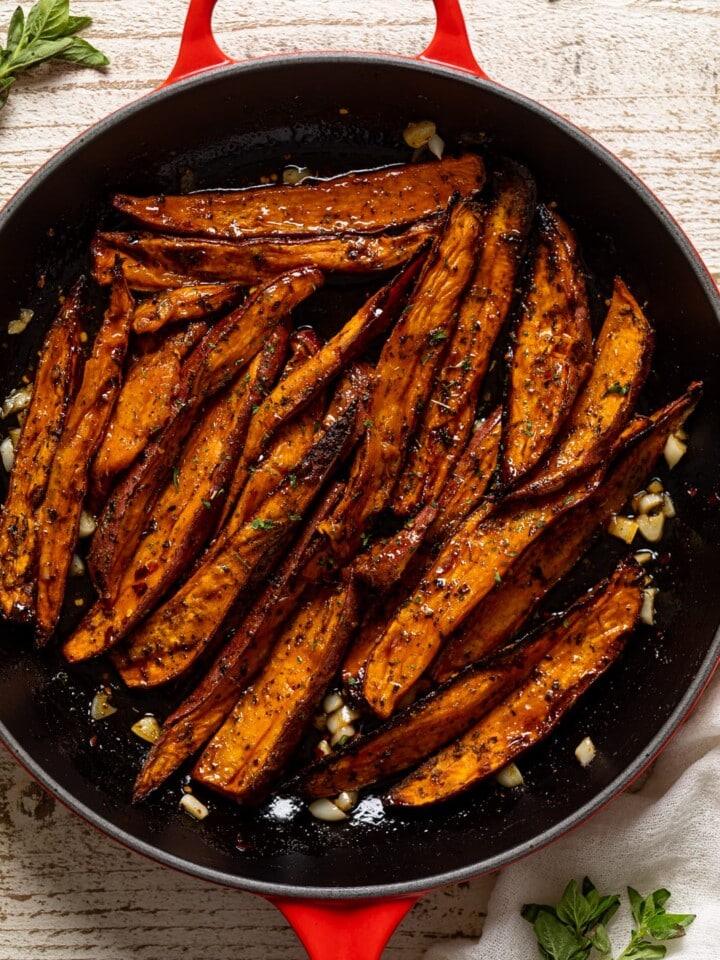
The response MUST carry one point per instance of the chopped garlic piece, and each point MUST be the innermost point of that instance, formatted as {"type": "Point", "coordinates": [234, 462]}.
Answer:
{"type": "Point", "coordinates": [326, 810]}
{"type": "Point", "coordinates": [585, 752]}
{"type": "Point", "coordinates": [510, 776]}
{"type": "Point", "coordinates": [341, 735]}
{"type": "Point", "coordinates": [100, 708]}
{"type": "Point", "coordinates": [192, 806]}
{"type": "Point", "coordinates": [23, 319]}
{"type": "Point", "coordinates": [624, 528]}
{"type": "Point", "coordinates": [647, 613]}
{"type": "Point", "coordinates": [17, 401]}
{"type": "Point", "coordinates": [651, 526]}
{"type": "Point", "coordinates": [88, 525]}
{"type": "Point", "coordinates": [346, 800]}
{"type": "Point", "coordinates": [419, 133]}
{"type": "Point", "coordinates": [675, 450]}
{"type": "Point", "coordinates": [332, 702]}
{"type": "Point", "coordinates": [649, 502]}
{"type": "Point", "coordinates": [436, 146]}
{"type": "Point", "coordinates": [7, 454]}
{"type": "Point", "coordinates": [147, 728]}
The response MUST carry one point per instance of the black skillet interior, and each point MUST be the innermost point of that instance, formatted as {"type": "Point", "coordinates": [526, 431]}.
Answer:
{"type": "Point", "coordinates": [332, 114]}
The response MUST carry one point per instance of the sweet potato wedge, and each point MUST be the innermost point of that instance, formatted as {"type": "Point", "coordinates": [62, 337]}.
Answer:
{"type": "Point", "coordinates": [219, 357]}
{"type": "Point", "coordinates": [199, 716]}
{"type": "Point", "coordinates": [556, 552]}
{"type": "Point", "coordinates": [54, 386]}
{"type": "Point", "coordinates": [142, 408]}
{"type": "Point", "coordinates": [605, 403]}
{"type": "Point", "coordinates": [364, 202]}
{"type": "Point", "coordinates": [588, 640]}
{"type": "Point", "coordinates": [305, 381]}
{"type": "Point", "coordinates": [387, 559]}
{"type": "Point", "coordinates": [255, 476]}
{"type": "Point", "coordinates": [152, 262]}
{"type": "Point", "coordinates": [250, 749]}
{"type": "Point", "coordinates": [87, 417]}
{"type": "Point", "coordinates": [470, 565]}
{"type": "Point", "coordinates": [183, 303]}
{"type": "Point", "coordinates": [449, 415]}
{"type": "Point", "coordinates": [394, 568]}
{"type": "Point", "coordinates": [551, 351]}
{"type": "Point", "coordinates": [464, 490]}
{"type": "Point", "coordinates": [447, 712]}
{"type": "Point", "coordinates": [184, 515]}
{"type": "Point", "coordinates": [404, 377]}
{"type": "Point", "coordinates": [172, 638]}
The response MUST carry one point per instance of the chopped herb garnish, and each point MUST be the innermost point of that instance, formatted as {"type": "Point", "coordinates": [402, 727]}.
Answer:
{"type": "Point", "coordinates": [620, 388]}
{"type": "Point", "coordinates": [260, 524]}
{"type": "Point", "coordinates": [438, 335]}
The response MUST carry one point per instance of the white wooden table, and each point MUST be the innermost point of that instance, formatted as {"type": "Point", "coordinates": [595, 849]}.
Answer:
{"type": "Point", "coordinates": [642, 76]}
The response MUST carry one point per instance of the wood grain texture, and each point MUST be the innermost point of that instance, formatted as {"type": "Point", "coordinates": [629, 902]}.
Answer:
{"type": "Point", "coordinates": [641, 76]}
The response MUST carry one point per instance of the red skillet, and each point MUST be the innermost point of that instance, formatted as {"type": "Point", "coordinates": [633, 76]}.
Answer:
{"type": "Point", "coordinates": [345, 887]}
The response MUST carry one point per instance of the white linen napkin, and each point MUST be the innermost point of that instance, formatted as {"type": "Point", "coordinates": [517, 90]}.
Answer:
{"type": "Point", "coordinates": [665, 835]}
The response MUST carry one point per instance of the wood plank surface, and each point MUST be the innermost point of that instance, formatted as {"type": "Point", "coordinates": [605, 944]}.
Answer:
{"type": "Point", "coordinates": [641, 76]}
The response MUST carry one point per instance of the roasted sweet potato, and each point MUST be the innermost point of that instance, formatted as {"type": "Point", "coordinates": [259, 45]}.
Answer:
{"type": "Point", "coordinates": [447, 712]}
{"type": "Point", "coordinates": [250, 749]}
{"type": "Point", "coordinates": [465, 488]}
{"type": "Point", "coordinates": [198, 717]}
{"type": "Point", "coordinates": [87, 417]}
{"type": "Point", "coordinates": [551, 351]}
{"type": "Point", "coordinates": [605, 403]}
{"type": "Point", "coordinates": [152, 262]}
{"type": "Point", "coordinates": [172, 638]}
{"type": "Point", "coordinates": [395, 567]}
{"type": "Point", "coordinates": [184, 515]}
{"type": "Point", "coordinates": [404, 377]}
{"type": "Point", "coordinates": [54, 386]}
{"type": "Point", "coordinates": [219, 357]}
{"type": "Point", "coordinates": [387, 559]}
{"type": "Point", "coordinates": [142, 408]}
{"type": "Point", "coordinates": [183, 303]}
{"type": "Point", "coordinates": [450, 413]}
{"type": "Point", "coordinates": [256, 475]}
{"type": "Point", "coordinates": [364, 202]}
{"type": "Point", "coordinates": [588, 641]}
{"type": "Point", "coordinates": [306, 380]}
{"type": "Point", "coordinates": [469, 566]}
{"type": "Point", "coordinates": [560, 547]}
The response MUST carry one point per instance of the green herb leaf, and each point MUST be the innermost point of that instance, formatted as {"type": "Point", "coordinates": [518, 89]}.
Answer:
{"type": "Point", "coordinates": [621, 389]}
{"type": "Point", "coordinates": [643, 950]}
{"type": "Point", "coordinates": [578, 925]}
{"type": "Point", "coordinates": [84, 54]}
{"type": "Point", "coordinates": [573, 909]}
{"type": "Point", "coordinates": [15, 31]}
{"type": "Point", "coordinates": [48, 19]}
{"type": "Point", "coordinates": [600, 940]}
{"type": "Point", "coordinates": [76, 24]}
{"type": "Point", "coordinates": [46, 33]}
{"type": "Point", "coordinates": [558, 941]}
{"type": "Point", "coordinates": [260, 524]}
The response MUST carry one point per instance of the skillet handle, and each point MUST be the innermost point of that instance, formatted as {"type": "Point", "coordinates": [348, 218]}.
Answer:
{"type": "Point", "coordinates": [450, 46]}
{"type": "Point", "coordinates": [198, 48]}
{"type": "Point", "coordinates": [199, 51]}
{"type": "Point", "coordinates": [344, 929]}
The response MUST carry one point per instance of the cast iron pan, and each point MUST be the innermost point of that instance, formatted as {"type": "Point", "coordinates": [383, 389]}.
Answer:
{"type": "Point", "coordinates": [335, 112]}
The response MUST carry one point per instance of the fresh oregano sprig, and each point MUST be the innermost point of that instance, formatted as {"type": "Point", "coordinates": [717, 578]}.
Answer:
{"type": "Point", "coordinates": [576, 928]}
{"type": "Point", "coordinates": [48, 32]}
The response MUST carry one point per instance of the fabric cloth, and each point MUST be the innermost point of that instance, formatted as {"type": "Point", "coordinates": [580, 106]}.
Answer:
{"type": "Point", "coordinates": [667, 834]}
